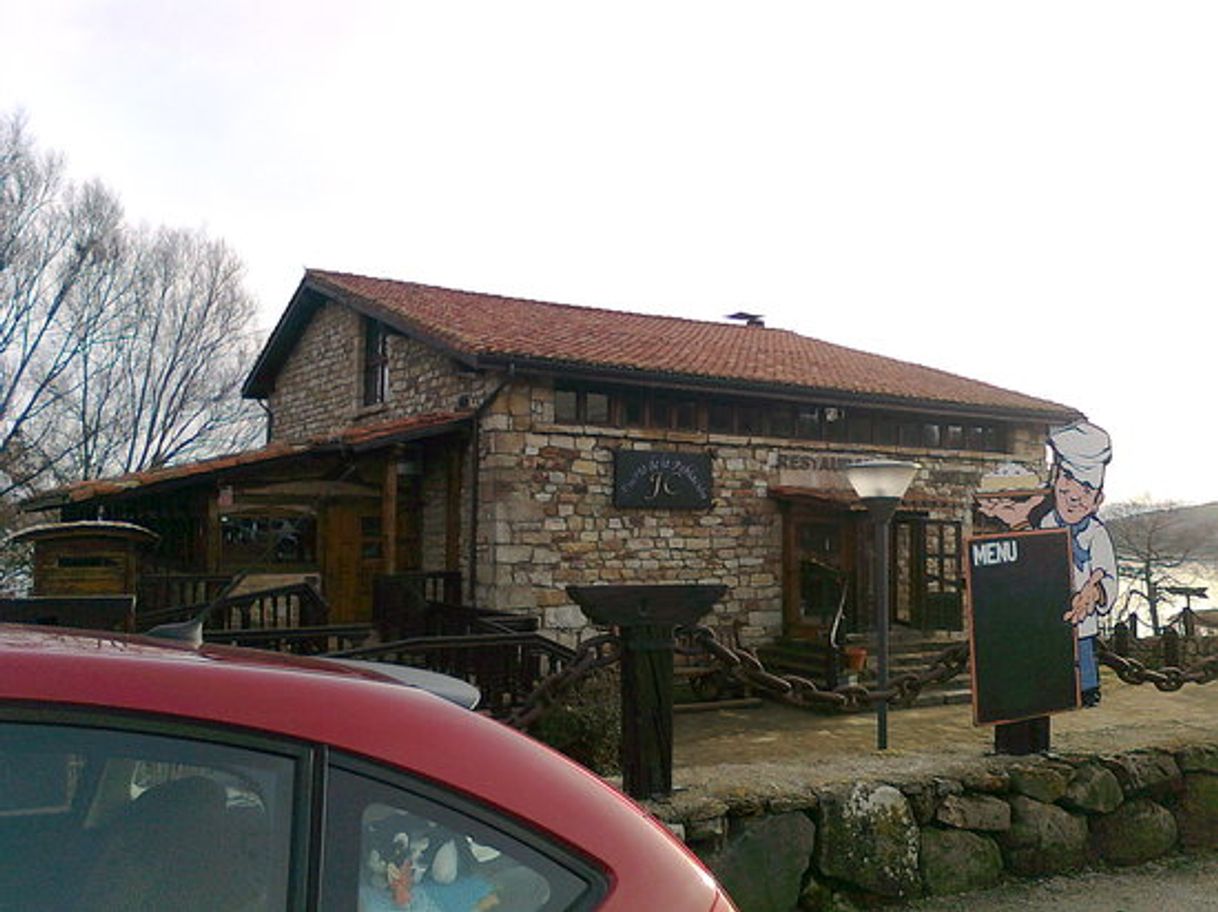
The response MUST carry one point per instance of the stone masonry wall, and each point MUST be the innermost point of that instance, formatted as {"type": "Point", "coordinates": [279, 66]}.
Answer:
{"type": "Point", "coordinates": [547, 519]}
{"type": "Point", "coordinates": [789, 848]}
{"type": "Point", "coordinates": [318, 389]}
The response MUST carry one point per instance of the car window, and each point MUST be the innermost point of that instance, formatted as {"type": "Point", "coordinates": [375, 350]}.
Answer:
{"type": "Point", "coordinates": [96, 818]}
{"type": "Point", "coordinates": [397, 845]}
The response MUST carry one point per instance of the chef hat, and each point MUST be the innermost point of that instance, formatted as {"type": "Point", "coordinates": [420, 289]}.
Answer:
{"type": "Point", "coordinates": [1083, 450]}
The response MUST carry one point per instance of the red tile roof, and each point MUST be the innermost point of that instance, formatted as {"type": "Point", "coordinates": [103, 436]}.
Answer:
{"type": "Point", "coordinates": [491, 331]}
{"type": "Point", "coordinates": [356, 437]}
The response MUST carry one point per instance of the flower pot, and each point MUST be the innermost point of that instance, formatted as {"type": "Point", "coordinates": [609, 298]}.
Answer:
{"type": "Point", "coordinates": [856, 658]}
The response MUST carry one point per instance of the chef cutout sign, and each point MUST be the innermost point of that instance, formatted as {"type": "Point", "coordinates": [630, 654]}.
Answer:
{"type": "Point", "coordinates": [1015, 499]}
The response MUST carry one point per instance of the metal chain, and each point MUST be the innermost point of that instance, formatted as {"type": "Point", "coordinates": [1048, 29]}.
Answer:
{"type": "Point", "coordinates": [744, 666]}
{"type": "Point", "coordinates": [594, 653]}
{"type": "Point", "coordinates": [1169, 679]}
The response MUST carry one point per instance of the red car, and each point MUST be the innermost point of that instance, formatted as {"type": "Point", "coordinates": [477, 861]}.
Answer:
{"type": "Point", "coordinates": [141, 774]}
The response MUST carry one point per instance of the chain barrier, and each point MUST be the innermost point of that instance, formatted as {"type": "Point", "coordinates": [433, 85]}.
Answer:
{"type": "Point", "coordinates": [592, 654]}
{"type": "Point", "coordinates": [1169, 679]}
{"type": "Point", "coordinates": [743, 665]}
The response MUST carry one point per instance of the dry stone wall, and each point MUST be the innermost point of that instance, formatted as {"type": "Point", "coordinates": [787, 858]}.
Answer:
{"type": "Point", "coordinates": [856, 845]}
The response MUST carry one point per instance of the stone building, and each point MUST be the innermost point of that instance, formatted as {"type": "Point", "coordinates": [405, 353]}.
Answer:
{"type": "Point", "coordinates": [531, 446]}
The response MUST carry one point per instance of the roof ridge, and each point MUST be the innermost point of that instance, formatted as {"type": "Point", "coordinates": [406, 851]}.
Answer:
{"type": "Point", "coordinates": [582, 308]}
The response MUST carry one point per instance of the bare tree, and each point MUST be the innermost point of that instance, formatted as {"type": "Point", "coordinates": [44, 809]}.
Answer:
{"type": "Point", "coordinates": [52, 234]}
{"type": "Point", "coordinates": [164, 346]}
{"type": "Point", "coordinates": [1155, 546]}
{"type": "Point", "coordinates": [120, 349]}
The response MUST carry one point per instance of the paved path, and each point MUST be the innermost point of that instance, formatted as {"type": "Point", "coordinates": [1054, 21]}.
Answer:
{"type": "Point", "coordinates": [776, 739]}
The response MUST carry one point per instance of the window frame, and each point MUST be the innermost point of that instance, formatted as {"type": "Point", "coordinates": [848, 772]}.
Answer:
{"type": "Point", "coordinates": [374, 364]}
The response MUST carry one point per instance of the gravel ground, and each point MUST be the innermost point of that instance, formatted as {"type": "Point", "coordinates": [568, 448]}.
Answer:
{"type": "Point", "coordinates": [1188, 883]}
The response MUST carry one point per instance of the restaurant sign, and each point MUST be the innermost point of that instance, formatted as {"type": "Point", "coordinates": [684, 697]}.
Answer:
{"type": "Point", "coordinates": [644, 478]}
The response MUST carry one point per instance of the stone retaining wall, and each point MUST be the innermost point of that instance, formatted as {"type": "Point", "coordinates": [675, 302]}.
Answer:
{"type": "Point", "coordinates": [854, 845]}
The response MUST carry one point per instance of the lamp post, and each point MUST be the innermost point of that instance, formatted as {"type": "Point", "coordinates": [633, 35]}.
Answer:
{"type": "Point", "coordinates": [880, 484]}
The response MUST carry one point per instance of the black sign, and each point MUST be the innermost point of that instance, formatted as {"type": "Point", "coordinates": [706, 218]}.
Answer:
{"type": "Point", "coordinates": [643, 478]}
{"type": "Point", "coordinates": [1024, 653]}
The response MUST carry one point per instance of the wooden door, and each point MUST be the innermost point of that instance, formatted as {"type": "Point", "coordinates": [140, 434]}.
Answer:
{"type": "Point", "coordinates": [352, 557]}
{"type": "Point", "coordinates": [819, 561]}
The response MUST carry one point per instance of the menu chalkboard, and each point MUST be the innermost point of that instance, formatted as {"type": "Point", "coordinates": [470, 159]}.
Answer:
{"type": "Point", "coordinates": [1024, 661]}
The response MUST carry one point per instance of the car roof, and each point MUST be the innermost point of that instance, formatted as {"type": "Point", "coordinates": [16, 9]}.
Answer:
{"type": "Point", "coordinates": [353, 709]}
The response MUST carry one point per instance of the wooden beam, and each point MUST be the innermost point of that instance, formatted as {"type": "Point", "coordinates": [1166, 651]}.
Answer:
{"type": "Point", "coordinates": [212, 533]}
{"type": "Point", "coordinates": [452, 518]}
{"type": "Point", "coordinates": [389, 514]}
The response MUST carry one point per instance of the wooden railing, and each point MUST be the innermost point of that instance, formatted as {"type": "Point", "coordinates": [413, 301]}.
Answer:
{"type": "Point", "coordinates": [402, 602]}
{"type": "Point", "coordinates": [326, 638]}
{"type": "Point", "coordinates": [165, 591]}
{"type": "Point", "coordinates": [293, 605]}
{"type": "Point", "coordinates": [505, 667]}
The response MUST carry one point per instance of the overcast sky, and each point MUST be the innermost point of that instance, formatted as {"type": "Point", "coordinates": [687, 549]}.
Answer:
{"type": "Point", "coordinates": [1022, 193]}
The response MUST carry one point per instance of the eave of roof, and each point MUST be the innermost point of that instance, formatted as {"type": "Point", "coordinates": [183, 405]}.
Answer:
{"type": "Point", "coordinates": [354, 439]}
{"type": "Point", "coordinates": [493, 332]}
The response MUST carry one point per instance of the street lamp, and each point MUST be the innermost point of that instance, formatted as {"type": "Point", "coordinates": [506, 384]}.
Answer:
{"type": "Point", "coordinates": [880, 484]}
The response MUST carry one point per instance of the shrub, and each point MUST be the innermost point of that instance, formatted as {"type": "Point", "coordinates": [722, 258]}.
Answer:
{"type": "Point", "coordinates": [585, 722]}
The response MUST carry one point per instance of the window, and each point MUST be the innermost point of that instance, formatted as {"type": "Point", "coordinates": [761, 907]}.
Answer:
{"type": "Point", "coordinates": [807, 423]}
{"type": "Point", "coordinates": [87, 560]}
{"type": "Point", "coordinates": [685, 415]}
{"type": "Point", "coordinates": [634, 409]}
{"type": "Point", "coordinates": [371, 538]}
{"type": "Point", "coordinates": [749, 418]}
{"type": "Point", "coordinates": [596, 408]}
{"type": "Point", "coordinates": [661, 413]}
{"type": "Point", "coordinates": [248, 540]}
{"type": "Point", "coordinates": [782, 421]}
{"type": "Point", "coordinates": [119, 819]}
{"type": "Point", "coordinates": [575, 406]}
{"type": "Point", "coordinates": [721, 417]}
{"type": "Point", "coordinates": [376, 362]}
{"type": "Point", "coordinates": [885, 432]}
{"type": "Point", "coordinates": [566, 406]}
{"type": "Point", "coordinates": [859, 428]}
{"type": "Point", "coordinates": [392, 843]}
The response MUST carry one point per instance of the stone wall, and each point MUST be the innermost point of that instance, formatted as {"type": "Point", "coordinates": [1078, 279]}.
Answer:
{"type": "Point", "coordinates": [547, 519]}
{"type": "Point", "coordinates": [850, 846]}
{"type": "Point", "coordinates": [318, 389]}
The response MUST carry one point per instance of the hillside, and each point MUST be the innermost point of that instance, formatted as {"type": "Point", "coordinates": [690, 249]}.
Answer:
{"type": "Point", "coordinates": [1182, 530]}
